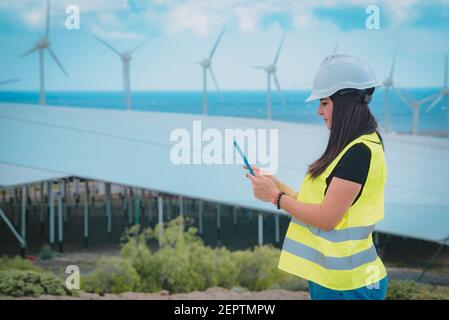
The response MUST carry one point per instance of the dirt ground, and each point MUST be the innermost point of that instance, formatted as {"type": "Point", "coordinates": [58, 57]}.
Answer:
{"type": "Point", "coordinates": [210, 294]}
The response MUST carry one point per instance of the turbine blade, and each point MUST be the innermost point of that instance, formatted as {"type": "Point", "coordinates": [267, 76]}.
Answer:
{"type": "Point", "coordinates": [435, 102]}
{"type": "Point", "coordinates": [278, 86]}
{"type": "Point", "coordinates": [30, 51]}
{"type": "Point", "coordinates": [216, 83]}
{"type": "Point", "coordinates": [401, 96]}
{"type": "Point", "coordinates": [53, 55]}
{"type": "Point", "coordinates": [216, 44]}
{"type": "Point", "coordinates": [429, 98]}
{"type": "Point", "coordinates": [10, 81]}
{"type": "Point", "coordinates": [108, 45]}
{"type": "Point", "coordinates": [279, 50]}
{"type": "Point", "coordinates": [47, 21]}
{"type": "Point", "coordinates": [141, 45]}
{"type": "Point", "coordinates": [259, 67]}
{"type": "Point", "coordinates": [410, 98]}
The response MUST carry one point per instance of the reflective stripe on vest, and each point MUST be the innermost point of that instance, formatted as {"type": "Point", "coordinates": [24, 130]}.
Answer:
{"type": "Point", "coordinates": [334, 263]}
{"type": "Point", "coordinates": [344, 258]}
{"type": "Point", "coordinates": [354, 233]}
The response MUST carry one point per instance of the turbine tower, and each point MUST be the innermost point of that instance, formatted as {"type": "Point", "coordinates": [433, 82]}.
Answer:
{"type": "Point", "coordinates": [42, 45]}
{"type": "Point", "coordinates": [206, 65]}
{"type": "Point", "coordinates": [271, 73]}
{"type": "Point", "coordinates": [444, 92]}
{"type": "Point", "coordinates": [126, 58]}
{"type": "Point", "coordinates": [388, 83]}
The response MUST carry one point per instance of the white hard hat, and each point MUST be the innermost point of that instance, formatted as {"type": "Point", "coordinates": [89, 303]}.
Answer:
{"type": "Point", "coordinates": [340, 71]}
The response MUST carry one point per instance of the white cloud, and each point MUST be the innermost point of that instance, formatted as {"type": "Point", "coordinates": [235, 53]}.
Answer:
{"type": "Point", "coordinates": [247, 19]}
{"type": "Point", "coordinates": [188, 17]}
{"type": "Point", "coordinates": [33, 18]}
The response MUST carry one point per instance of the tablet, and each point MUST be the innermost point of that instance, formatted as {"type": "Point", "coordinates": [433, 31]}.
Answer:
{"type": "Point", "coordinates": [244, 157]}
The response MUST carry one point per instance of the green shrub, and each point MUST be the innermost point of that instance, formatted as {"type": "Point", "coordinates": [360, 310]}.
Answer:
{"type": "Point", "coordinates": [291, 283]}
{"type": "Point", "coordinates": [46, 252]}
{"type": "Point", "coordinates": [18, 283]}
{"type": "Point", "coordinates": [183, 264]}
{"type": "Point", "coordinates": [139, 255]}
{"type": "Point", "coordinates": [410, 290]}
{"type": "Point", "coordinates": [227, 269]}
{"type": "Point", "coordinates": [115, 275]}
{"type": "Point", "coordinates": [259, 268]}
{"type": "Point", "coordinates": [401, 290]}
{"type": "Point", "coordinates": [17, 263]}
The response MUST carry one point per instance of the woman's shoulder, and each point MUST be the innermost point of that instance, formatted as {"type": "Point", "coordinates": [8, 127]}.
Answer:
{"type": "Point", "coordinates": [359, 151]}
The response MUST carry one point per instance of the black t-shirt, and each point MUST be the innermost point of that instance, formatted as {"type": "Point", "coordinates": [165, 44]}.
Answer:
{"type": "Point", "coordinates": [353, 166]}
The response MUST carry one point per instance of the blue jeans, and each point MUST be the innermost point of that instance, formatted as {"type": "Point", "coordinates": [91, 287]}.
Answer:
{"type": "Point", "coordinates": [377, 292]}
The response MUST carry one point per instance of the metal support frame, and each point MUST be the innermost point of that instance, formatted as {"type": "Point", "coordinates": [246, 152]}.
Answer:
{"type": "Point", "coordinates": [14, 204]}
{"type": "Point", "coordinates": [108, 211]}
{"type": "Point", "coordinates": [51, 203]}
{"type": "Point", "coordinates": [65, 200]}
{"type": "Point", "coordinates": [41, 208]}
{"type": "Point", "coordinates": [433, 258]}
{"type": "Point", "coordinates": [160, 202]}
{"type": "Point", "coordinates": [8, 223]}
{"type": "Point", "coordinates": [23, 220]}
{"type": "Point", "coordinates": [60, 196]}
{"type": "Point", "coordinates": [86, 215]}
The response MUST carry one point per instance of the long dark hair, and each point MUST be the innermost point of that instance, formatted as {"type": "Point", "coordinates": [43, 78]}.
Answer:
{"type": "Point", "coordinates": [351, 118]}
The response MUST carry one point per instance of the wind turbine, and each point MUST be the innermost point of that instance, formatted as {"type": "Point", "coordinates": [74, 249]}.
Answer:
{"type": "Point", "coordinates": [444, 92]}
{"type": "Point", "coordinates": [414, 105]}
{"type": "Point", "coordinates": [271, 72]}
{"type": "Point", "coordinates": [10, 81]}
{"type": "Point", "coordinates": [41, 45]}
{"type": "Point", "coordinates": [206, 64]}
{"type": "Point", "coordinates": [126, 58]}
{"type": "Point", "coordinates": [388, 83]}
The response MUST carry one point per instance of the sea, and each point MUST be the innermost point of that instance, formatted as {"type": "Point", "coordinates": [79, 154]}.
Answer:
{"type": "Point", "coordinates": [247, 104]}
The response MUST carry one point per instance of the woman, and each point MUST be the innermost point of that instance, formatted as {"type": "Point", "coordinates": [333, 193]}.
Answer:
{"type": "Point", "coordinates": [329, 238]}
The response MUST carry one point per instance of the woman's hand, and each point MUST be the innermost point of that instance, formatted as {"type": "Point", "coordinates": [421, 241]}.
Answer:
{"type": "Point", "coordinates": [259, 172]}
{"type": "Point", "coordinates": [279, 185]}
{"type": "Point", "coordinates": [264, 187]}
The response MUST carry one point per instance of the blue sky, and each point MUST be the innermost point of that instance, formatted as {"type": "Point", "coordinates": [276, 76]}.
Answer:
{"type": "Point", "coordinates": [187, 30]}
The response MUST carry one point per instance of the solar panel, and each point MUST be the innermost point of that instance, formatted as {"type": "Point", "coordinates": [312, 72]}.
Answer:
{"type": "Point", "coordinates": [133, 148]}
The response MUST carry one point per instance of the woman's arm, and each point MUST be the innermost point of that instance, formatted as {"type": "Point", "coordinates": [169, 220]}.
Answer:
{"type": "Point", "coordinates": [285, 188]}
{"type": "Point", "coordinates": [339, 197]}
{"type": "Point", "coordinates": [279, 184]}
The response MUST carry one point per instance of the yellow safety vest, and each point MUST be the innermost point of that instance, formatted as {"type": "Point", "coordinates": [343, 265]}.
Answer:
{"type": "Point", "coordinates": [344, 258]}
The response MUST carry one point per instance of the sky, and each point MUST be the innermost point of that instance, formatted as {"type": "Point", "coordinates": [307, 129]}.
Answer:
{"type": "Point", "coordinates": [185, 31]}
